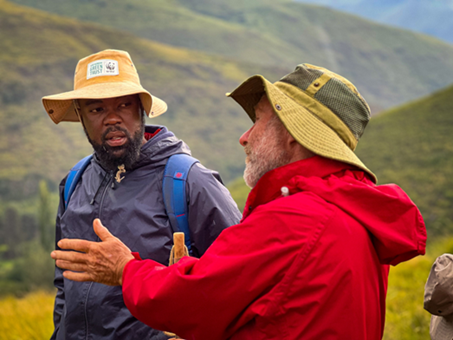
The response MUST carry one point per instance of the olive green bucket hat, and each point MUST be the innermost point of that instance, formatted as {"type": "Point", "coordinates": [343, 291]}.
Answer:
{"type": "Point", "coordinates": [106, 74]}
{"type": "Point", "coordinates": [322, 110]}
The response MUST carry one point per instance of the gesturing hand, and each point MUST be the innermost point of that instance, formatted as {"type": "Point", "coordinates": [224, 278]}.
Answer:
{"type": "Point", "coordinates": [101, 262]}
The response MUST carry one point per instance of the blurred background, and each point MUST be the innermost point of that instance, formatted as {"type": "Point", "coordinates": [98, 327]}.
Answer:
{"type": "Point", "coordinates": [398, 53]}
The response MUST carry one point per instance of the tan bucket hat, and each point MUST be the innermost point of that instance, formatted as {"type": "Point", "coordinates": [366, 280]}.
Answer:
{"type": "Point", "coordinates": [106, 74]}
{"type": "Point", "coordinates": [322, 110]}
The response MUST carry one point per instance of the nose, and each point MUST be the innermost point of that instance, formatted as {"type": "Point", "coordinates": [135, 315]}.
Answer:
{"type": "Point", "coordinates": [245, 137]}
{"type": "Point", "coordinates": [112, 118]}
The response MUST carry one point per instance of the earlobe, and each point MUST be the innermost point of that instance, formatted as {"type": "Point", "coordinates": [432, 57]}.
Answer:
{"type": "Point", "coordinates": [291, 142]}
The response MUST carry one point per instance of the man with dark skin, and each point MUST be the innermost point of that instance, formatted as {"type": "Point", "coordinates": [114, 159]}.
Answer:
{"type": "Point", "coordinates": [310, 258]}
{"type": "Point", "coordinates": [121, 184]}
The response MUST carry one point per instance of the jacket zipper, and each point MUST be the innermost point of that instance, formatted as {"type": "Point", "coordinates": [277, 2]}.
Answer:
{"type": "Point", "coordinates": [91, 284]}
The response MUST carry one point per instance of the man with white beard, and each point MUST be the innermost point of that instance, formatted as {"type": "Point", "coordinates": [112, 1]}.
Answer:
{"type": "Point", "coordinates": [311, 256]}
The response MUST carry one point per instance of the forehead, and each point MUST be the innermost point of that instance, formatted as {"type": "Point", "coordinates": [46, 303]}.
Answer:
{"type": "Point", "coordinates": [263, 106]}
{"type": "Point", "coordinates": [85, 102]}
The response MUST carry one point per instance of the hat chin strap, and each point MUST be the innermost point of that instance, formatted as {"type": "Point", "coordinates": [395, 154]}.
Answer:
{"type": "Point", "coordinates": [76, 109]}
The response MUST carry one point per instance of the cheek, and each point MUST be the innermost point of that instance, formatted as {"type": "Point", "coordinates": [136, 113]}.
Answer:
{"type": "Point", "coordinates": [92, 131]}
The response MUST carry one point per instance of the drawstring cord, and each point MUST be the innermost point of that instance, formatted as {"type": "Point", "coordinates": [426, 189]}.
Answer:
{"type": "Point", "coordinates": [99, 188]}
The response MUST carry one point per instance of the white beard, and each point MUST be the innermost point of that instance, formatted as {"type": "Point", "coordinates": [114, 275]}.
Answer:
{"type": "Point", "coordinates": [267, 155]}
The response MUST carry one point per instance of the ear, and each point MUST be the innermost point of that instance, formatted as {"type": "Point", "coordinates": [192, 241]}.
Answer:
{"type": "Point", "coordinates": [289, 140]}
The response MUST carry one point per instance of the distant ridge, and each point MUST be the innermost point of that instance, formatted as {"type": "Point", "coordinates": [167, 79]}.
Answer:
{"type": "Point", "coordinates": [429, 17]}
{"type": "Point", "coordinates": [390, 66]}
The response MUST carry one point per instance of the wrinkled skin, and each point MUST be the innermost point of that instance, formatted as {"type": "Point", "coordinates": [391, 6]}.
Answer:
{"type": "Point", "coordinates": [101, 262]}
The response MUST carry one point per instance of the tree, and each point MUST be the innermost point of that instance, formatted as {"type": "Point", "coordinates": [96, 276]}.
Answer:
{"type": "Point", "coordinates": [46, 230]}
{"type": "Point", "coordinates": [12, 231]}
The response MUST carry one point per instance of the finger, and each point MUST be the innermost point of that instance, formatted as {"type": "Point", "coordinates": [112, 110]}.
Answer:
{"type": "Point", "coordinates": [75, 244]}
{"type": "Point", "coordinates": [100, 230]}
{"type": "Point", "coordinates": [69, 256]}
{"type": "Point", "coordinates": [81, 277]}
{"type": "Point", "coordinates": [77, 267]}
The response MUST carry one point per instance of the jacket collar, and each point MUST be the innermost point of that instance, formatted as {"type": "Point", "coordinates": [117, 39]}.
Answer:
{"type": "Point", "coordinates": [269, 185]}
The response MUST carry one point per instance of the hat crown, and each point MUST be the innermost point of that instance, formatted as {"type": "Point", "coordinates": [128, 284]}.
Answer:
{"type": "Point", "coordinates": [335, 92]}
{"type": "Point", "coordinates": [107, 66]}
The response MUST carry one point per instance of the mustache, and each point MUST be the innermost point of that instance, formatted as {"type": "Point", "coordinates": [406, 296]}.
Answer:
{"type": "Point", "coordinates": [247, 149]}
{"type": "Point", "coordinates": [114, 129]}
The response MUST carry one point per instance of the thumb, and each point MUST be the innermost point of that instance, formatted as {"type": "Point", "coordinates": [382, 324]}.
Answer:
{"type": "Point", "coordinates": [100, 230]}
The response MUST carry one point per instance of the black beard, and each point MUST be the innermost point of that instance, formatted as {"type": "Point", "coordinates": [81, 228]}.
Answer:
{"type": "Point", "coordinates": [130, 155]}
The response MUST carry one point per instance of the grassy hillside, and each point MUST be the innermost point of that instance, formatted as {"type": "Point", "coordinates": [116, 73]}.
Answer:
{"type": "Point", "coordinates": [192, 83]}
{"type": "Point", "coordinates": [390, 66]}
{"type": "Point", "coordinates": [412, 146]}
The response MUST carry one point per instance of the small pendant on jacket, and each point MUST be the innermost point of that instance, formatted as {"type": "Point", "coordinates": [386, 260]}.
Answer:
{"type": "Point", "coordinates": [121, 170]}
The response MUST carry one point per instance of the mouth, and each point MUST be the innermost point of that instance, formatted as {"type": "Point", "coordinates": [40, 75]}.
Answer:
{"type": "Point", "coordinates": [116, 138]}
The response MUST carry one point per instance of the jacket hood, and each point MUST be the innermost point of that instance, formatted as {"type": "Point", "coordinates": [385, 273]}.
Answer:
{"type": "Point", "coordinates": [161, 146]}
{"type": "Point", "coordinates": [393, 221]}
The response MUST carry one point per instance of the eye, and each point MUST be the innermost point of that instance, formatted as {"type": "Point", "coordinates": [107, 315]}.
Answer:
{"type": "Point", "coordinates": [126, 104]}
{"type": "Point", "coordinates": [96, 110]}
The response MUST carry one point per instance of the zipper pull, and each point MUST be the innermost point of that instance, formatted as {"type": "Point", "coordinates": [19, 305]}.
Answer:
{"type": "Point", "coordinates": [121, 170]}
{"type": "Point", "coordinates": [285, 191]}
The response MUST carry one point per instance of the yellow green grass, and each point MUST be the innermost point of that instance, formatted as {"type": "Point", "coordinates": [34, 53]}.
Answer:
{"type": "Point", "coordinates": [31, 317]}
{"type": "Point", "coordinates": [28, 318]}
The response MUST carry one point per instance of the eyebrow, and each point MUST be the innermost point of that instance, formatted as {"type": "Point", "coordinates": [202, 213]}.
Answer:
{"type": "Point", "coordinates": [93, 101]}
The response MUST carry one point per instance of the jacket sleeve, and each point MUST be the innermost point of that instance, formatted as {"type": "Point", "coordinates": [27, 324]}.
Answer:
{"type": "Point", "coordinates": [246, 272]}
{"type": "Point", "coordinates": [58, 278]}
{"type": "Point", "coordinates": [211, 207]}
{"type": "Point", "coordinates": [439, 287]}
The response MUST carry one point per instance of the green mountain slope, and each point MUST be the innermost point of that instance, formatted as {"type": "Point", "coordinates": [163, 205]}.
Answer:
{"type": "Point", "coordinates": [33, 65]}
{"type": "Point", "coordinates": [389, 65]}
{"type": "Point", "coordinates": [411, 146]}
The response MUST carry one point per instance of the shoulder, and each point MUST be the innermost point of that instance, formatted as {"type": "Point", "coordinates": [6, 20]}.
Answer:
{"type": "Point", "coordinates": [302, 216]}
{"type": "Point", "coordinates": [199, 175]}
{"type": "Point", "coordinates": [305, 206]}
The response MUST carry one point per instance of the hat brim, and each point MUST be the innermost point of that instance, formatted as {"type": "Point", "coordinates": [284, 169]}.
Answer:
{"type": "Point", "coordinates": [60, 107]}
{"type": "Point", "coordinates": [305, 127]}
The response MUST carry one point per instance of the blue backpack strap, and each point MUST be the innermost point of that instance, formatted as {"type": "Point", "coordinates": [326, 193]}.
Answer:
{"type": "Point", "coordinates": [174, 191]}
{"type": "Point", "coordinates": [73, 177]}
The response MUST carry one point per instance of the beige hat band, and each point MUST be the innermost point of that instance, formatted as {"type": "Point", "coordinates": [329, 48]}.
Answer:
{"type": "Point", "coordinates": [124, 77]}
{"type": "Point", "coordinates": [319, 110]}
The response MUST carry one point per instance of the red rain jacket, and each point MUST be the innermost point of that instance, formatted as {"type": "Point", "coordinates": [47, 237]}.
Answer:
{"type": "Point", "coordinates": [312, 265]}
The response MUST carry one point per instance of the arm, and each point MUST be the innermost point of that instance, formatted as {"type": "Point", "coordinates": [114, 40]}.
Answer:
{"type": "Point", "coordinates": [58, 279]}
{"type": "Point", "coordinates": [246, 272]}
{"type": "Point", "coordinates": [207, 298]}
{"type": "Point", "coordinates": [211, 207]}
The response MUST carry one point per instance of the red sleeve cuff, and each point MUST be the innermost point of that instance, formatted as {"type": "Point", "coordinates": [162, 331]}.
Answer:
{"type": "Point", "coordinates": [136, 255]}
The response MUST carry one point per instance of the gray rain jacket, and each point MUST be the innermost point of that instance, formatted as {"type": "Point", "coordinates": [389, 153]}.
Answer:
{"type": "Point", "coordinates": [133, 210]}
